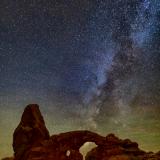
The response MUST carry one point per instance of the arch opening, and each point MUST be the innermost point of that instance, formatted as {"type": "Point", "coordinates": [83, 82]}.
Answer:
{"type": "Point", "coordinates": [68, 153]}
{"type": "Point", "coordinates": [88, 146]}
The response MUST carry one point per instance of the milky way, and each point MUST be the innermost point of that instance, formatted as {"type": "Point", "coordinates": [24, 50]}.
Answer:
{"type": "Point", "coordinates": [88, 64]}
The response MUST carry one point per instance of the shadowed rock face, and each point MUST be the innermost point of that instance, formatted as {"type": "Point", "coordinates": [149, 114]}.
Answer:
{"type": "Point", "coordinates": [64, 146]}
{"type": "Point", "coordinates": [115, 148]}
{"type": "Point", "coordinates": [31, 141]}
{"type": "Point", "coordinates": [30, 131]}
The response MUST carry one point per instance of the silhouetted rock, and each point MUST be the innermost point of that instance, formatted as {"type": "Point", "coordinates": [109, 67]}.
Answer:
{"type": "Point", "coordinates": [30, 131]}
{"type": "Point", "coordinates": [64, 146]}
{"type": "Point", "coordinates": [117, 149]}
{"type": "Point", "coordinates": [31, 141]}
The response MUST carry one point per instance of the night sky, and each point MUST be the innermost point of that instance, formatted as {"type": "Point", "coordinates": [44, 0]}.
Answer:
{"type": "Point", "coordinates": [89, 64]}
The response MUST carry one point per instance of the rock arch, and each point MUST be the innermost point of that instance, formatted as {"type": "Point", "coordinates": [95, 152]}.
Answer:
{"type": "Point", "coordinates": [31, 141]}
{"type": "Point", "coordinates": [31, 138]}
{"type": "Point", "coordinates": [76, 139]}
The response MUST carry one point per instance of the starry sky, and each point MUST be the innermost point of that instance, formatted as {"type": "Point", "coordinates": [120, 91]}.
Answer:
{"type": "Point", "coordinates": [89, 64]}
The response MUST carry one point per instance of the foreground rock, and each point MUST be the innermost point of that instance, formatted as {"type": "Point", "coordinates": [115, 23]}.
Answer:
{"type": "Point", "coordinates": [31, 141]}
{"type": "Point", "coordinates": [117, 149]}
{"type": "Point", "coordinates": [30, 131]}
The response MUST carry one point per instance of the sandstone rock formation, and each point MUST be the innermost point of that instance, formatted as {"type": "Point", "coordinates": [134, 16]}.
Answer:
{"type": "Point", "coordinates": [30, 131]}
{"type": "Point", "coordinates": [115, 148]}
{"type": "Point", "coordinates": [64, 146]}
{"type": "Point", "coordinates": [31, 141]}
{"type": "Point", "coordinates": [118, 149]}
